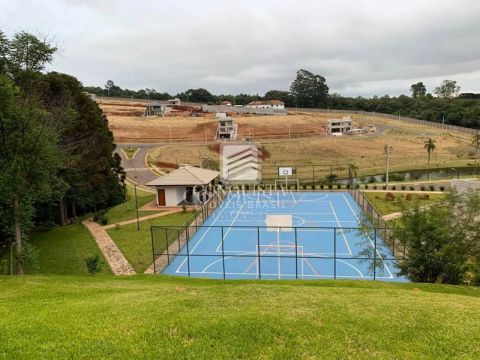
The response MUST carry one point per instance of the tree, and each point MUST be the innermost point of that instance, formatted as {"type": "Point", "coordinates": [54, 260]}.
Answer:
{"type": "Point", "coordinates": [29, 159]}
{"type": "Point", "coordinates": [198, 95]}
{"type": "Point", "coordinates": [429, 145]}
{"type": "Point", "coordinates": [109, 85]}
{"type": "Point", "coordinates": [29, 53]}
{"type": "Point", "coordinates": [447, 89]}
{"type": "Point", "coordinates": [418, 90]}
{"type": "Point", "coordinates": [309, 90]}
{"type": "Point", "coordinates": [442, 242]}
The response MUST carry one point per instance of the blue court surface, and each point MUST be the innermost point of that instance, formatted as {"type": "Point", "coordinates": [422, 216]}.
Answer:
{"type": "Point", "coordinates": [315, 236]}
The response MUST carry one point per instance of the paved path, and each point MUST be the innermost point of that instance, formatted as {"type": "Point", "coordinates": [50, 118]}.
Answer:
{"type": "Point", "coordinates": [118, 263]}
{"type": "Point", "coordinates": [136, 168]}
{"type": "Point", "coordinates": [143, 218]}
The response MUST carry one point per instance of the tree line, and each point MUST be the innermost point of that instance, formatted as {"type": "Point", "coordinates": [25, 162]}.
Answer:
{"type": "Point", "coordinates": [445, 104]}
{"type": "Point", "coordinates": [57, 158]}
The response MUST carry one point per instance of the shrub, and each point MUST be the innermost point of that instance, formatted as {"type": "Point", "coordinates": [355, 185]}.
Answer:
{"type": "Point", "coordinates": [366, 186]}
{"type": "Point", "coordinates": [409, 197]}
{"type": "Point", "coordinates": [393, 187]}
{"type": "Point", "coordinates": [348, 186]}
{"type": "Point", "coordinates": [304, 186]}
{"type": "Point", "coordinates": [389, 196]}
{"type": "Point", "coordinates": [374, 187]}
{"type": "Point", "coordinates": [94, 264]}
{"type": "Point", "coordinates": [432, 188]}
{"type": "Point", "coordinates": [330, 186]}
{"type": "Point", "coordinates": [384, 187]}
{"type": "Point", "coordinates": [403, 187]}
{"type": "Point", "coordinates": [322, 185]}
{"type": "Point", "coordinates": [412, 188]}
{"type": "Point", "coordinates": [184, 208]}
{"type": "Point", "coordinates": [442, 188]}
{"type": "Point", "coordinates": [422, 188]}
{"type": "Point", "coordinates": [339, 186]}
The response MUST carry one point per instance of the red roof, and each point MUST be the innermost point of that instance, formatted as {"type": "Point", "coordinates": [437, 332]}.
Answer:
{"type": "Point", "coordinates": [266, 102]}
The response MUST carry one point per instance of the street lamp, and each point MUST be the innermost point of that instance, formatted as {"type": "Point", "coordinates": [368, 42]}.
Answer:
{"type": "Point", "coordinates": [136, 207]}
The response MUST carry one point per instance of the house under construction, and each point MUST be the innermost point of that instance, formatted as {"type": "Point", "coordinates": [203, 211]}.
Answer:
{"type": "Point", "coordinates": [227, 128]}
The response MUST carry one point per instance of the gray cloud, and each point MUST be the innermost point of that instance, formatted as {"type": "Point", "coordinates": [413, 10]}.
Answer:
{"type": "Point", "coordinates": [362, 47]}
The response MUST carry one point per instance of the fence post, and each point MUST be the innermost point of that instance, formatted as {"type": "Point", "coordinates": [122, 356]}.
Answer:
{"type": "Point", "coordinates": [296, 254]}
{"type": "Point", "coordinates": [188, 259]}
{"type": "Point", "coordinates": [178, 240]}
{"type": "Point", "coordinates": [375, 256]}
{"type": "Point", "coordinates": [258, 253]}
{"type": "Point", "coordinates": [166, 238]}
{"type": "Point", "coordinates": [334, 253]}
{"type": "Point", "coordinates": [223, 257]}
{"type": "Point", "coordinates": [153, 250]}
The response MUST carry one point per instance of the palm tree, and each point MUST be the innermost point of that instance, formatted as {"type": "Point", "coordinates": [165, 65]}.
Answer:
{"type": "Point", "coordinates": [430, 146]}
{"type": "Point", "coordinates": [476, 143]}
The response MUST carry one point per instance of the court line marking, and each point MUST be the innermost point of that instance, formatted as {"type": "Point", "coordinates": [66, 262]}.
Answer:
{"type": "Point", "coordinates": [340, 226]}
{"type": "Point", "coordinates": [368, 236]}
{"type": "Point", "coordinates": [285, 275]}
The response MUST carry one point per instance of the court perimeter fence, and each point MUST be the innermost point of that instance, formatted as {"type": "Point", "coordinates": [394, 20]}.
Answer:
{"type": "Point", "coordinates": [381, 248]}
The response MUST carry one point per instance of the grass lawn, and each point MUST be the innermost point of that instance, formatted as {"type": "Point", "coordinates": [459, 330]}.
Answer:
{"type": "Point", "coordinates": [62, 250]}
{"type": "Point", "coordinates": [385, 207]}
{"type": "Point", "coordinates": [159, 317]}
{"type": "Point", "coordinates": [130, 151]}
{"type": "Point", "coordinates": [126, 211]}
{"type": "Point", "coordinates": [136, 245]}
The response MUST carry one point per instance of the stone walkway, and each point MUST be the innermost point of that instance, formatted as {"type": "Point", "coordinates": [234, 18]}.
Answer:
{"type": "Point", "coordinates": [118, 263]}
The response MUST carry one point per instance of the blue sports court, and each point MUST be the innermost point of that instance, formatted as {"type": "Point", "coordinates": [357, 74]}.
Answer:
{"type": "Point", "coordinates": [285, 235]}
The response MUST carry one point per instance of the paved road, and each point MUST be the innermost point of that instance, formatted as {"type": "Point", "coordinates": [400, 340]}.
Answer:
{"type": "Point", "coordinates": [136, 168]}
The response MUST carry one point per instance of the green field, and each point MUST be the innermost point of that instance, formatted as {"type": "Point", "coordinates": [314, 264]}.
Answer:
{"type": "Point", "coordinates": [158, 317]}
{"type": "Point", "coordinates": [136, 245]}
{"type": "Point", "coordinates": [127, 210]}
{"type": "Point", "coordinates": [62, 250]}
{"type": "Point", "coordinates": [384, 207]}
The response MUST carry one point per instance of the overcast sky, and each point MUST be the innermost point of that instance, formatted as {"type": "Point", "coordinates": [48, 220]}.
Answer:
{"type": "Point", "coordinates": [362, 47]}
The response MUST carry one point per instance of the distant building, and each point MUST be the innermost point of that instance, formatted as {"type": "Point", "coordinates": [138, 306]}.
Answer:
{"type": "Point", "coordinates": [227, 128]}
{"type": "Point", "coordinates": [91, 95]}
{"type": "Point", "coordinates": [173, 102]}
{"type": "Point", "coordinates": [155, 109]}
{"type": "Point", "coordinates": [339, 126]}
{"type": "Point", "coordinates": [226, 103]}
{"type": "Point", "coordinates": [266, 104]}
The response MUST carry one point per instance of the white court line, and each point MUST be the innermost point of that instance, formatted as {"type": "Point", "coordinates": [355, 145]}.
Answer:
{"type": "Point", "coordinates": [368, 236]}
{"type": "Point", "coordinates": [229, 228]}
{"type": "Point", "coordinates": [340, 226]}
{"type": "Point", "coordinates": [203, 236]}
{"type": "Point", "coordinates": [287, 274]}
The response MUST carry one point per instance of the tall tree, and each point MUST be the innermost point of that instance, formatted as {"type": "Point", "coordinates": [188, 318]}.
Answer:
{"type": "Point", "coordinates": [447, 89]}
{"type": "Point", "coordinates": [309, 90]}
{"type": "Point", "coordinates": [109, 85]}
{"type": "Point", "coordinates": [429, 145]}
{"type": "Point", "coordinates": [29, 159]}
{"type": "Point", "coordinates": [418, 90]}
{"type": "Point", "coordinates": [283, 96]}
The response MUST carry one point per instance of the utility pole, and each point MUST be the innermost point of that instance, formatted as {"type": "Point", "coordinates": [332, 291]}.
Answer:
{"type": "Point", "coordinates": [388, 149]}
{"type": "Point", "coordinates": [136, 207]}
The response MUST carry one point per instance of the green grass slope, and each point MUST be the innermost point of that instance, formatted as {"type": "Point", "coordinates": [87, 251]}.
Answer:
{"type": "Point", "coordinates": [160, 317]}
{"type": "Point", "coordinates": [63, 250]}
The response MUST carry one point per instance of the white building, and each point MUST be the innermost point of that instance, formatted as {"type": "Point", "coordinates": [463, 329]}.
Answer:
{"type": "Point", "coordinates": [185, 185]}
{"type": "Point", "coordinates": [172, 102]}
{"type": "Point", "coordinates": [339, 126]}
{"type": "Point", "coordinates": [227, 128]}
{"type": "Point", "coordinates": [155, 109]}
{"type": "Point", "coordinates": [266, 104]}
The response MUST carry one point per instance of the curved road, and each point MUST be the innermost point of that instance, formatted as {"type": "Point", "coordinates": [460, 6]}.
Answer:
{"type": "Point", "coordinates": [136, 168]}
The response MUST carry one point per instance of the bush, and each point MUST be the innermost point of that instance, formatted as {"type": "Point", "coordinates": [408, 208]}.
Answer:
{"type": "Point", "coordinates": [304, 186]}
{"type": "Point", "coordinates": [322, 185]}
{"type": "Point", "coordinates": [384, 187]}
{"type": "Point", "coordinates": [339, 186]}
{"type": "Point", "coordinates": [94, 264]}
{"type": "Point", "coordinates": [374, 187]}
{"type": "Point", "coordinates": [330, 186]}
{"type": "Point", "coordinates": [348, 186]}
{"type": "Point", "coordinates": [366, 186]}
{"type": "Point", "coordinates": [389, 196]}
{"type": "Point", "coordinates": [422, 188]}
{"type": "Point", "coordinates": [412, 188]}
{"type": "Point", "coordinates": [184, 208]}
{"type": "Point", "coordinates": [432, 188]}
{"type": "Point", "coordinates": [403, 187]}
{"type": "Point", "coordinates": [393, 187]}
{"type": "Point", "coordinates": [442, 188]}
{"type": "Point", "coordinates": [102, 220]}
